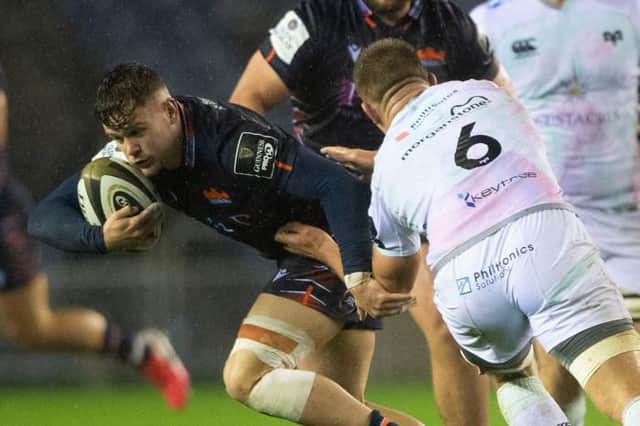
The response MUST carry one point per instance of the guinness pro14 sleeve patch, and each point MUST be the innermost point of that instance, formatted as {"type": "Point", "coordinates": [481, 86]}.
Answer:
{"type": "Point", "coordinates": [288, 36]}
{"type": "Point", "coordinates": [256, 155]}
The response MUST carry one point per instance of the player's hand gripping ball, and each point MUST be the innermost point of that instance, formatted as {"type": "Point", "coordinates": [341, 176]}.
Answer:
{"type": "Point", "coordinates": [108, 184]}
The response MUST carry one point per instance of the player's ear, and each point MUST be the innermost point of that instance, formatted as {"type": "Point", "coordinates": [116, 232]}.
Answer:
{"type": "Point", "coordinates": [173, 112]}
{"type": "Point", "coordinates": [372, 114]}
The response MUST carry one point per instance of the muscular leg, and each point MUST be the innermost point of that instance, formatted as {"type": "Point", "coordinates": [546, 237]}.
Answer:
{"type": "Point", "coordinates": [562, 386]}
{"type": "Point", "coordinates": [327, 402]}
{"type": "Point", "coordinates": [461, 393]}
{"type": "Point", "coordinates": [615, 384]}
{"type": "Point", "coordinates": [346, 360]}
{"type": "Point", "coordinates": [31, 324]}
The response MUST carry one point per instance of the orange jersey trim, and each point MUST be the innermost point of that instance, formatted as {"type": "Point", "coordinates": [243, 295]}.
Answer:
{"type": "Point", "coordinates": [284, 166]}
{"type": "Point", "coordinates": [429, 54]}
{"type": "Point", "coordinates": [270, 55]}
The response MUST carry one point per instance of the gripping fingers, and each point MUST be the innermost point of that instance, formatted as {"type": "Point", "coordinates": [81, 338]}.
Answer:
{"type": "Point", "coordinates": [148, 218]}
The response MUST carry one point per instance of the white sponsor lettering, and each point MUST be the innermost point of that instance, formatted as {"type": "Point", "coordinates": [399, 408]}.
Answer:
{"type": "Point", "coordinates": [288, 36]}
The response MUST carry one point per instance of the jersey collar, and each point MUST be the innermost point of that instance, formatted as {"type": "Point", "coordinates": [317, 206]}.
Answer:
{"type": "Point", "coordinates": [189, 153]}
{"type": "Point", "coordinates": [367, 14]}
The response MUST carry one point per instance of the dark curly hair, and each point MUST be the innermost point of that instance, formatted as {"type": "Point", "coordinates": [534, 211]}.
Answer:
{"type": "Point", "coordinates": [122, 90]}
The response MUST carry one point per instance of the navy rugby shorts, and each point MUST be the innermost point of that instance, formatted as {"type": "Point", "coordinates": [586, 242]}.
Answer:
{"type": "Point", "coordinates": [18, 264]}
{"type": "Point", "coordinates": [314, 285]}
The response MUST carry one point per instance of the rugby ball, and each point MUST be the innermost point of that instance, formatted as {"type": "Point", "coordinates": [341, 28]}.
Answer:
{"type": "Point", "coordinates": [108, 184]}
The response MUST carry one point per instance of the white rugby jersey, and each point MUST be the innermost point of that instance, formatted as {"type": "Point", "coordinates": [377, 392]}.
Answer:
{"type": "Point", "coordinates": [575, 68]}
{"type": "Point", "coordinates": [458, 162]}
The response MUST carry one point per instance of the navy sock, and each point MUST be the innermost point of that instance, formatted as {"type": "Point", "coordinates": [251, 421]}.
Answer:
{"type": "Point", "coordinates": [376, 419]}
{"type": "Point", "coordinates": [116, 342]}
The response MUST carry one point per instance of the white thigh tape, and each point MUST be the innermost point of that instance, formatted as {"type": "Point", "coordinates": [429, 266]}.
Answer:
{"type": "Point", "coordinates": [588, 362]}
{"type": "Point", "coordinates": [274, 356]}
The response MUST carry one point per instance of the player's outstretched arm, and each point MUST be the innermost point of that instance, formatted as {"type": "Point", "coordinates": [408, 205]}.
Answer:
{"type": "Point", "coordinates": [58, 221]}
{"type": "Point", "coordinates": [259, 87]}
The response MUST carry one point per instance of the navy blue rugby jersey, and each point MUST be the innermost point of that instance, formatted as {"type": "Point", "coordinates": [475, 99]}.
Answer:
{"type": "Point", "coordinates": [241, 176]}
{"type": "Point", "coordinates": [314, 46]}
{"type": "Point", "coordinates": [245, 178]}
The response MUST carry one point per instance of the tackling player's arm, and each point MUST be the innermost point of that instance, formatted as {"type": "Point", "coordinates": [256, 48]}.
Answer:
{"type": "Point", "coordinates": [312, 242]}
{"type": "Point", "coordinates": [395, 273]}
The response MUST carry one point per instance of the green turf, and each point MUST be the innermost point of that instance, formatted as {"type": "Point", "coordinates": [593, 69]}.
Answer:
{"type": "Point", "coordinates": [209, 405]}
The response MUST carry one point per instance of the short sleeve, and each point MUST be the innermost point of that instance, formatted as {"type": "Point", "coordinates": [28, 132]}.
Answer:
{"type": "Point", "coordinates": [390, 236]}
{"type": "Point", "coordinates": [295, 43]}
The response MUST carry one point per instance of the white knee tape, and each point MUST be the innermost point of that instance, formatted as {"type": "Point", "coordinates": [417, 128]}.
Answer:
{"type": "Point", "coordinates": [282, 393]}
{"type": "Point", "coordinates": [588, 362]}
{"type": "Point", "coordinates": [274, 356]}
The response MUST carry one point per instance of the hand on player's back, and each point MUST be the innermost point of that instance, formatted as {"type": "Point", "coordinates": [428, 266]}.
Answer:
{"type": "Point", "coordinates": [132, 230]}
{"type": "Point", "coordinates": [356, 160]}
{"type": "Point", "coordinates": [372, 298]}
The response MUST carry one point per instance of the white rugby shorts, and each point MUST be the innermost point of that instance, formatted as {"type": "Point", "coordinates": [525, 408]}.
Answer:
{"type": "Point", "coordinates": [539, 276]}
{"type": "Point", "coordinates": [617, 235]}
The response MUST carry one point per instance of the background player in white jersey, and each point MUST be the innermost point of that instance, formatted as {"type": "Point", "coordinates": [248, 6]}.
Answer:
{"type": "Point", "coordinates": [574, 65]}
{"type": "Point", "coordinates": [510, 258]}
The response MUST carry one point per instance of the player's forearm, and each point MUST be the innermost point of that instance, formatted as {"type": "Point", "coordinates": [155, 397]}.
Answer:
{"type": "Point", "coordinates": [396, 274]}
{"type": "Point", "coordinates": [331, 258]}
{"type": "Point", "coordinates": [57, 221]}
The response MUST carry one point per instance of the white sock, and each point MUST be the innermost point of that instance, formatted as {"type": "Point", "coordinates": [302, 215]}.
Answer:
{"type": "Point", "coordinates": [576, 410]}
{"type": "Point", "coordinates": [525, 402]}
{"type": "Point", "coordinates": [631, 413]}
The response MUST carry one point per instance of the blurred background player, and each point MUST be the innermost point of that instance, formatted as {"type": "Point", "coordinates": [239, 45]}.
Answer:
{"type": "Point", "coordinates": [27, 319]}
{"type": "Point", "coordinates": [308, 58]}
{"type": "Point", "coordinates": [574, 65]}
{"type": "Point", "coordinates": [510, 258]}
{"type": "Point", "coordinates": [301, 353]}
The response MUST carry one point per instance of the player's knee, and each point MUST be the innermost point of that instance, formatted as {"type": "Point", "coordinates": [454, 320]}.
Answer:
{"type": "Point", "coordinates": [238, 381]}
{"type": "Point", "coordinates": [263, 344]}
{"type": "Point", "coordinates": [282, 393]}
